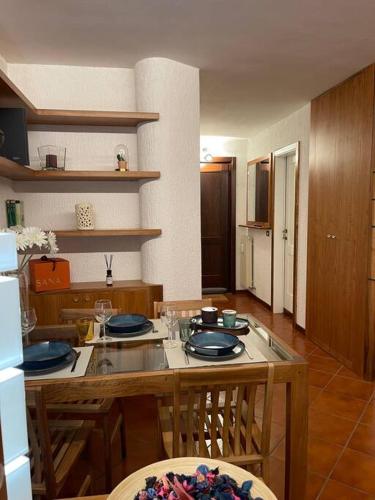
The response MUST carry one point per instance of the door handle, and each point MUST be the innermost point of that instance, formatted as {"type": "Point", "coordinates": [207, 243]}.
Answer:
{"type": "Point", "coordinates": [329, 235]}
{"type": "Point", "coordinates": [333, 236]}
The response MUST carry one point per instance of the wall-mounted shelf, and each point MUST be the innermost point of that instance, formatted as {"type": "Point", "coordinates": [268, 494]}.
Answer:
{"type": "Point", "coordinates": [100, 233]}
{"type": "Point", "coordinates": [255, 226]}
{"type": "Point", "coordinates": [11, 96]}
{"type": "Point", "coordinates": [16, 172]}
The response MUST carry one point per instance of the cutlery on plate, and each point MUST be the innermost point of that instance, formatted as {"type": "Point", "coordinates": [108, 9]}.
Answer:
{"type": "Point", "coordinates": [247, 352]}
{"type": "Point", "coordinates": [75, 361]}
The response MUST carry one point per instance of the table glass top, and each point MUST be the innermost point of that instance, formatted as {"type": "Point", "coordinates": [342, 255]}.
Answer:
{"type": "Point", "coordinates": [149, 355]}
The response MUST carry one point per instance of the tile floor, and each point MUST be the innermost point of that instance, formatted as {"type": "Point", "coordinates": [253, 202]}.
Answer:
{"type": "Point", "coordinates": [341, 448]}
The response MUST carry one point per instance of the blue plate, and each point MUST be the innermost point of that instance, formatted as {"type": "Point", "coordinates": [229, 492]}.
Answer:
{"type": "Point", "coordinates": [45, 354]}
{"type": "Point", "coordinates": [147, 327]}
{"type": "Point", "coordinates": [233, 353]}
{"type": "Point", "coordinates": [213, 343]}
{"type": "Point", "coordinates": [62, 363]}
{"type": "Point", "coordinates": [124, 323]}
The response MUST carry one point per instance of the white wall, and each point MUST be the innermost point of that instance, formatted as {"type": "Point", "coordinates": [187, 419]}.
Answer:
{"type": "Point", "coordinates": [173, 202]}
{"type": "Point", "coordinates": [295, 127]}
{"type": "Point", "coordinates": [231, 146]}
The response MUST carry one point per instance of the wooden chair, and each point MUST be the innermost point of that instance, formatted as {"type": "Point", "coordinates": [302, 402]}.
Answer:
{"type": "Point", "coordinates": [69, 316]}
{"type": "Point", "coordinates": [103, 411]}
{"type": "Point", "coordinates": [182, 305]}
{"type": "Point", "coordinates": [55, 448]}
{"type": "Point", "coordinates": [68, 333]}
{"type": "Point", "coordinates": [213, 415]}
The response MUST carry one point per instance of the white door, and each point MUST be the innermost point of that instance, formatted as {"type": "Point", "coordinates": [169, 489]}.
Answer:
{"type": "Point", "coordinates": [288, 233]}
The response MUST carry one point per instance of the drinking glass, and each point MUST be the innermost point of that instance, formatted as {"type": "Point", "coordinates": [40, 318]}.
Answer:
{"type": "Point", "coordinates": [83, 325]}
{"type": "Point", "coordinates": [168, 316]}
{"type": "Point", "coordinates": [28, 322]}
{"type": "Point", "coordinates": [103, 313]}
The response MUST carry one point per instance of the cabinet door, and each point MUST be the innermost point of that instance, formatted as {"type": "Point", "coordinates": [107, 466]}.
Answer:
{"type": "Point", "coordinates": [339, 187]}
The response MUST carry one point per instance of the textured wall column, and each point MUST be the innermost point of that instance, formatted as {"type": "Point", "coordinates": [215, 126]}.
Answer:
{"type": "Point", "coordinates": [172, 203]}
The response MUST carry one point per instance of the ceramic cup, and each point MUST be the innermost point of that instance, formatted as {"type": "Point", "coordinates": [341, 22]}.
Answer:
{"type": "Point", "coordinates": [209, 314]}
{"type": "Point", "coordinates": [229, 318]}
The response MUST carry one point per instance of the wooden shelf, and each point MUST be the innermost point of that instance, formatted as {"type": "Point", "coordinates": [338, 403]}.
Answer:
{"type": "Point", "coordinates": [11, 96]}
{"type": "Point", "coordinates": [256, 226]}
{"type": "Point", "coordinates": [100, 233]}
{"type": "Point", "coordinates": [16, 172]}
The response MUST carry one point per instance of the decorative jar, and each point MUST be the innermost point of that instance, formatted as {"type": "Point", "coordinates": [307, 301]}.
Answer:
{"type": "Point", "coordinates": [84, 216]}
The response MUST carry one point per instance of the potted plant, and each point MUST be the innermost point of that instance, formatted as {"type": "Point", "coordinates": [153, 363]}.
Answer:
{"type": "Point", "coordinates": [122, 157]}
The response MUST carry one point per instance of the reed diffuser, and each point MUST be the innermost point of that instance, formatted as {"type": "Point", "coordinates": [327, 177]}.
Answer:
{"type": "Point", "coordinates": [108, 262]}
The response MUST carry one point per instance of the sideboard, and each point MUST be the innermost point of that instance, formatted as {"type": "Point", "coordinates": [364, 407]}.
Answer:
{"type": "Point", "coordinates": [128, 296]}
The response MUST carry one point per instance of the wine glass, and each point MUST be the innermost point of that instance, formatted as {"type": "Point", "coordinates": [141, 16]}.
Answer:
{"type": "Point", "coordinates": [168, 316]}
{"type": "Point", "coordinates": [28, 322]}
{"type": "Point", "coordinates": [103, 313]}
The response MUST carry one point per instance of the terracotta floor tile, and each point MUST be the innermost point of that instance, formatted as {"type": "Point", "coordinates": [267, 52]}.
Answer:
{"type": "Point", "coordinates": [302, 346]}
{"type": "Point", "coordinates": [356, 470]}
{"type": "Point", "coordinates": [332, 430]}
{"type": "Point", "coordinates": [322, 456]}
{"type": "Point", "coordinates": [313, 393]}
{"type": "Point", "coordinates": [318, 378]}
{"type": "Point", "coordinates": [334, 490]}
{"type": "Point", "coordinates": [313, 485]}
{"type": "Point", "coordinates": [339, 404]}
{"type": "Point", "coordinates": [351, 387]}
{"type": "Point", "coordinates": [369, 415]}
{"type": "Point", "coordinates": [363, 439]}
{"type": "Point", "coordinates": [323, 363]}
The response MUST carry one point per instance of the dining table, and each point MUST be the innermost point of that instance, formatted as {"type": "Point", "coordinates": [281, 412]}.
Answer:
{"type": "Point", "coordinates": [140, 367]}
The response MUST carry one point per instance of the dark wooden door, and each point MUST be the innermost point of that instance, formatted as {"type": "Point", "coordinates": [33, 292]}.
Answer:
{"type": "Point", "coordinates": [339, 183]}
{"type": "Point", "coordinates": [217, 225]}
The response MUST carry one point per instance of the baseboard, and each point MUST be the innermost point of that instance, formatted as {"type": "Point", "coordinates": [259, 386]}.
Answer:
{"type": "Point", "coordinates": [300, 328]}
{"type": "Point", "coordinates": [261, 301]}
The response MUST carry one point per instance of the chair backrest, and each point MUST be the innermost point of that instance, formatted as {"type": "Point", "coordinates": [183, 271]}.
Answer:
{"type": "Point", "coordinates": [217, 406]}
{"type": "Point", "coordinates": [181, 306]}
{"type": "Point", "coordinates": [55, 332]}
{"type": "Point", "coordinates": [41, 459]}
{"type": "Point", "coordinates": [71, 315]}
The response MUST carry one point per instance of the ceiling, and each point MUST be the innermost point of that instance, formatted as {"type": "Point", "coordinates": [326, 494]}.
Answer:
{"type": "Point", "coordinates": [260, 59]}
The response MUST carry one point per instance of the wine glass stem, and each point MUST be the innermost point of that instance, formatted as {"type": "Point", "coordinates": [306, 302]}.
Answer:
{"type": "Point", "coordinates": [170, 334]}
{"type": "Point", "coordinates": [102, 329]}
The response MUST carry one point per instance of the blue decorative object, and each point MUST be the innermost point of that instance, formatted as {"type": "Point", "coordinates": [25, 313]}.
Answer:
{"type": "Point", "coordinates": [145, 328]}
{"type": "Point", "coordinates": [234, 353]}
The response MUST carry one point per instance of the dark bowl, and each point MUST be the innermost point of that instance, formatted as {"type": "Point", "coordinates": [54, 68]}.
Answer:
{"type": "Point", "coordinates": [45, 354]}
{"type": "Point", "coordinates": [126, 323]}
{"type": "Point", "coordinates": [213, 343]}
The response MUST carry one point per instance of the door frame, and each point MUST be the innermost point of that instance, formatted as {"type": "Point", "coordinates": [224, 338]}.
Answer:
{"type": "Point", "coordinates": [227, 163]}
{"type": "Point", "coordinates": [277, 154]}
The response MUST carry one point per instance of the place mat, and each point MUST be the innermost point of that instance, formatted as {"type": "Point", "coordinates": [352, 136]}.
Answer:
{"type": "Point", "coordinates": [160, 334]}
{"type": "Point", "coordinates": [176, 357]}
{"type": "Point", "coordinates": [79, 371]}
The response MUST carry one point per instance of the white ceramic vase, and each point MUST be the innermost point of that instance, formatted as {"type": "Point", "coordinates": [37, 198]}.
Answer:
{"type": "Point", "coordinates": [84, 216]}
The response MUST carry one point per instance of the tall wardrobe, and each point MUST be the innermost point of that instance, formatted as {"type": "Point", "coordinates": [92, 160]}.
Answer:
{"type": "Point", "coordinates": [341, 230]}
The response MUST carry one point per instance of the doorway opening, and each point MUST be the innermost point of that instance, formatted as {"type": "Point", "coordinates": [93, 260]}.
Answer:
{"type": "Point", "coordinates": [285, 230]}
{"type": "Point", "coordinates": [218, 224]}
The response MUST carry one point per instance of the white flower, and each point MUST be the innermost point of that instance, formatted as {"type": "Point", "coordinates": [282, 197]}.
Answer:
{"type": "Point", "coordinates": [51, 241]}
{"type": "Point", "coordinates": [35, 236]}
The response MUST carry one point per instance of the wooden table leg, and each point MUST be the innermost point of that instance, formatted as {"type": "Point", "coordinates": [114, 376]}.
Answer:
{"type": "Point", "coordinates": [296, 434]}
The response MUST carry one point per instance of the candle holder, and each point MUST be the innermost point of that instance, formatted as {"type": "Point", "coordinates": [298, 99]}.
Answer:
{"type": "Point", "coordinates": [52, 157]}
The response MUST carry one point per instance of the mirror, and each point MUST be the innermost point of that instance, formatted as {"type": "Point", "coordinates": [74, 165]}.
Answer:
{"type": "Point", "coordinates": [259, 192]}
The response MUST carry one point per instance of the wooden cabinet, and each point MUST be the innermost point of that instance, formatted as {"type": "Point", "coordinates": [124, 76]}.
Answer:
{"type": "Point", "coordinates": [340, 221]}
{"type": "Point", "coordinates": [127, 296]}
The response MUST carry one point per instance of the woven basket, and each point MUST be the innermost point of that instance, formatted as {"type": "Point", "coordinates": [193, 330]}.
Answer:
{"type": "Point", "coordinates": [130, 486]}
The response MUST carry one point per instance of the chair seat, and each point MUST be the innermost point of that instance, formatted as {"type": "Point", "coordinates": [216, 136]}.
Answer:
{"type": "Point", "coordinates": [68, 439]}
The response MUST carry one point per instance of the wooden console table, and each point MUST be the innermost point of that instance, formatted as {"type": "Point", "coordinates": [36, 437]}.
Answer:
{"type": "Point", "coordinates": [128, 296]}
